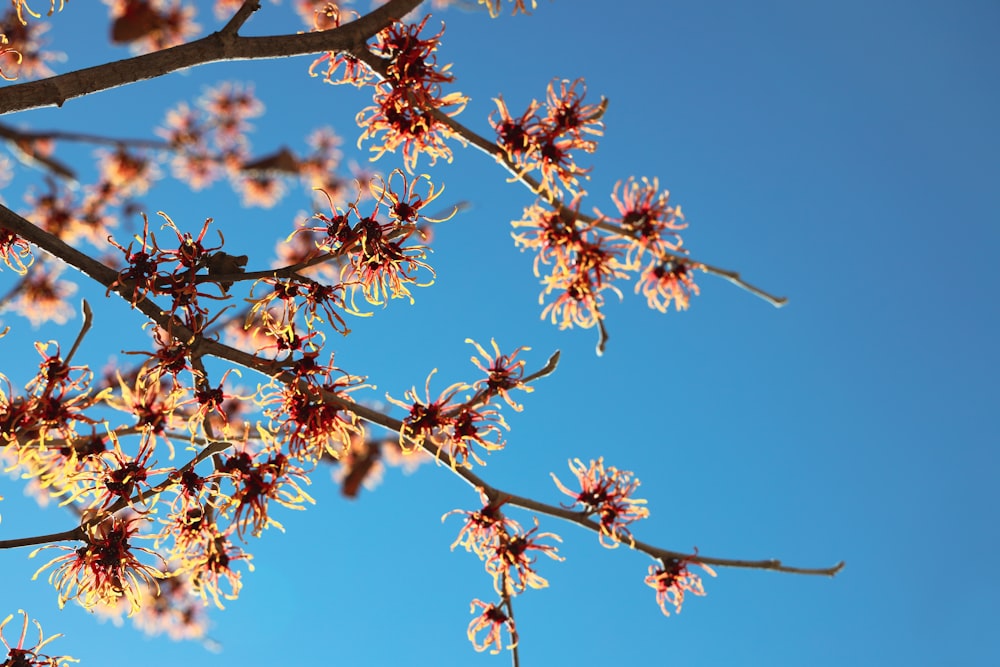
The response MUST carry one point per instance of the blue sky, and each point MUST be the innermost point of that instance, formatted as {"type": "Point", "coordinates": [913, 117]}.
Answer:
{"type": "Point", "coordinates": [844, 156]}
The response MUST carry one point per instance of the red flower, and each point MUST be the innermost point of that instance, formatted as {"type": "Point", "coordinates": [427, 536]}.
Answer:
{"type": "Point", "coordinates": [22, 656]}
{"type": "Point", "coordinates": [482, 527]}
{"type": "Point", "coordinates": [512, 563]}
{"type": "Point", "coordinates": [606, 492]}
{"type": "Point", "coordinates": [410, 92]}
{"type": "Point", "coordinates": [672, 579]}
{"type": "Point", "coordinates": [504, 373]}
{"type": "Point", "coordinates": [104, 569]}
{"type": "Point", "coordinates": [665, 282]}
{"type": "Point", "coordinates": [426, 417]}
{"type": "Point", "coordinates": [494, 620]}
{"type": "Point", "coordinates": [258, 479]}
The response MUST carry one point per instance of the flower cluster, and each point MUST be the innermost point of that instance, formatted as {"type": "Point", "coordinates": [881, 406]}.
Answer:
{"type": "Point", "coordinates": [409, 102]}
{"type": "Point", "coordinates": [375, 260]}
{"type": "Point", "coordinates": [585, 255]}
{"type": "Point", "coordinates": [606, 492]}
{"type": "Point", "coordinates": [508, 551]}
{"type": "Point", "coordinates": [546, 141]}
{"type": "Point", "coordinates": [583, 263]}
{"type": "Point", "coordinates": [455, 429]}
{"type": "Point", "coordinates": [651, 225]}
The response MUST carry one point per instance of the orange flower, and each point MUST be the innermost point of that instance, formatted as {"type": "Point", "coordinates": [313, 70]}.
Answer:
{"type": "Point", "coordinates": [257, 479]}
{"type": "Point", "coordinates": [410, 92]}
{"type": "Point", "coordinates": [25, 47]}
{"type": "Point", "coordinates": [483, 527]}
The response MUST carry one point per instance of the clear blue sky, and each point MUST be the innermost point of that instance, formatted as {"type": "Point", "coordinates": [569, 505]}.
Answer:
{"type": "Point", "coordinates": [843, 155]}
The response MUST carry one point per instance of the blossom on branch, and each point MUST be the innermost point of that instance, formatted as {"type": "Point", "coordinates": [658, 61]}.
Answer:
{"type": "Point", "coordinates": [645, 212]}
{"type": "Point", "coordinates": [511, 560]}
{"type": "Point", "coordinates": [492, 619]}
{"type": "Point", "coordinates": [607, 493]}
{"type": "Point", "coordinates": [504, 372]}
{"type": "Point", "coordinates": [672, 579]}
{"type": "Point", "coordinates": [404, 101]}
{"type": "Point", "coordinates": [547, 143]}
{"type": "Point", "coordinates": [104, 569]}
{"type": "Point", "coordinates": [665, 282]}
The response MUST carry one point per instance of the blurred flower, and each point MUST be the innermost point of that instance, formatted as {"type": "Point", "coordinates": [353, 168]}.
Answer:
{"type": "Point", "coordinates": [42, 297]}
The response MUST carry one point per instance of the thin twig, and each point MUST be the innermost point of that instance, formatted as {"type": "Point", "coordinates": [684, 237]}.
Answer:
{"type": "Point", "coordinates": [240, 17]}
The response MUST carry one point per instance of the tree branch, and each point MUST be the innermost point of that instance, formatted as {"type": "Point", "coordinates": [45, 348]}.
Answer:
{"type": "Point", "coordinates": [219, 46]}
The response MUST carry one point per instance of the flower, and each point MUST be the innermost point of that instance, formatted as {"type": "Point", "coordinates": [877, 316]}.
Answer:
{"type": "Point", "coordinates": [504, 372]}
{"type": "Point", "coordinates": [512, 564]}
{"type": "Point", "coordinates": [672, 579]}
{"type": "Point", "coordinates": [495, 620]}
{"type": "Point", "coordinates": [258, 479]}
{"type": "Point", "coordinates": [22, 656]}
{"type": "Point", "coordinates": [645, 212]}
{"type": "Point", "coordinates": [606, 492]}
{"type": "Point", "coordinates": [43, 298]}
{"type": "Point", "coordinates": [482, 527]}
{"type": "Point", "coordinates": [104, 569]}
{"type": "Point", "coordinates": [15, 252]}
{"type": "Point", "coordinates": [24, 47]}
{"type": "Point", "coordinates": [426, 417]}
{"type": "Point", "coordinates": [665, 282]}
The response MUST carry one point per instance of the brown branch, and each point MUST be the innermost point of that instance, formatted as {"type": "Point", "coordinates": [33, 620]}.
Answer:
{"type": "Point", "coordinates": [240, 17]}
{"type": "Point", "coordinates": [380, 66]}
{"type": "Point", "coordinates": [219, 46]}
{"type": "Point", "coordinates": [109, 278]}
{"type": "Point", "coordinates": [65, 536]}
